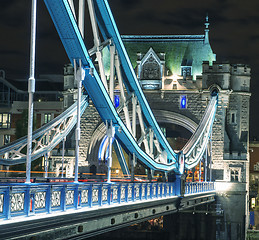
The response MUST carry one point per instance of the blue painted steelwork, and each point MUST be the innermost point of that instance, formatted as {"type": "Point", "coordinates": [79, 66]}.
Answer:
{"type": "Point", "coordinates": [121, 158]}
{"type": "Point", "coordinates": [36, 198]}
{"type": "Point", "coordinates": [102, 149]}
{"type": "Point", "coordinates": [71, 38]}
{"type": "Point", "coordinates": [66, 25]}
{"type": "Point", "coordinates": [109, 30]}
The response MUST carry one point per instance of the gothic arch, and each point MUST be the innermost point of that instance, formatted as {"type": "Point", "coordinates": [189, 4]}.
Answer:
{"type": "Point", "coordinates": [161, 116]}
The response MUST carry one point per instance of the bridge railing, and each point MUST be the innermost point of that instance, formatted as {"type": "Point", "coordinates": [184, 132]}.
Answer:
{"type": "Point", "coordinates": [198, 187]}
{"type": "Point", "coordinates": [32, 199]}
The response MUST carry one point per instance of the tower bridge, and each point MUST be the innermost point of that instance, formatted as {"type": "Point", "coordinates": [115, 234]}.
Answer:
{"type": "Point", "coordinates": [136, 95]}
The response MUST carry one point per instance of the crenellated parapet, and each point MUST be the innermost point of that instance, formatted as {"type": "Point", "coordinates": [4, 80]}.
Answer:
{"type": "Point", "coordinates": [234, 77]}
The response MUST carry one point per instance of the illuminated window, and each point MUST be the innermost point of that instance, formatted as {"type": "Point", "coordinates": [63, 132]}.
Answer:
{"type": "Point", "coordinates": [235, 175]}
{"type": "Point", "coordinates": [183, 102]}
{"type": "Point", "coordinates": [186, 71]}
{"type": "Point", "coordinates": [47, 117]}
{"type": "Point", "coordinates": [5, 120]}
{"type": "Point", "coordinates": [186, 68]}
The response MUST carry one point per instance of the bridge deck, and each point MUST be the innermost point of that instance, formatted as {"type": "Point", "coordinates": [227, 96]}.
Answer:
{"type": "Point", "coordinates": [68, 209]}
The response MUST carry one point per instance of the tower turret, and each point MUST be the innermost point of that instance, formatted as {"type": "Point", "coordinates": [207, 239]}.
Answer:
{"type": "Point", "coordinates": [206, 39]}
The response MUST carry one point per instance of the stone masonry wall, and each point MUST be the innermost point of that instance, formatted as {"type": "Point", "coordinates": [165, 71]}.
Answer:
{"type": "Point", "coordinates": [196, 105]}
{"type": "Point", "coordinates": [89, 122]}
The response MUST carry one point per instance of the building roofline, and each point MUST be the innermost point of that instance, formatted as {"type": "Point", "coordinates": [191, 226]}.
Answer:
{"type": "Point", "coordinates": [163, 38]}
{"type": "Point", "coordinates": [10, 85]}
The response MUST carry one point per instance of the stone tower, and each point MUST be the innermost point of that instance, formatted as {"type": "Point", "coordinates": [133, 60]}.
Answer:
{"type": "Point", "coordinates": [170, 68]}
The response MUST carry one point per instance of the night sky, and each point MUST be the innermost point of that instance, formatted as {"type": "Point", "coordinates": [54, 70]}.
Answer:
{"type": "Point", "coordinates": [234, 33]}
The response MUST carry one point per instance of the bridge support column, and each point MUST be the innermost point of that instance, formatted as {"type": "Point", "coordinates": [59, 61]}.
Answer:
{"type": "Point", "coordinates": [110, 133]}
{"type": "Point", "coordinates": [150, 174]}
{"type": "Point", "coordinates": [133, 164]}
{"type": "Point", "coordinates": [206, 165]}
{"type": "Point", "coordinates": [200, 171]}
{"type": "Point", "coordinates": [79, 76]}
{"type": "Point", "coordinates": [63, 154]}
{"type": "Point", "coordinates": [81, 16]}
{"type": "Point", "coordinates": [179, 184]}
{"type": "Point", "coordinates": [210, 167]}
{"type": "Point", "coordinates": [46, 165]}
{"type": "Point", "coordinates": [165, 177]}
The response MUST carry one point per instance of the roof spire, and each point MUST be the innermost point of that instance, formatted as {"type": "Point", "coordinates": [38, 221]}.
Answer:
{"type": "Point", "coordinates": [206, 40]}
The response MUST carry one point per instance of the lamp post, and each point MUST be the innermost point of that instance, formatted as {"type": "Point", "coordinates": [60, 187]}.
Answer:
{"type": "Point", "coordinates": [31, 90]}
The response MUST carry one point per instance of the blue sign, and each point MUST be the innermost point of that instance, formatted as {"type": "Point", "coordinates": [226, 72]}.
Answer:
{"type": "Point", "coordinates": [116, 100]}
{"type": "Point", "coordinates": [183, 102]}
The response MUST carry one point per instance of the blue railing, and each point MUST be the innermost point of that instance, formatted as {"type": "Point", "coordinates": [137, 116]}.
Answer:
{"type": "Point", "coordinates": [36, 198]}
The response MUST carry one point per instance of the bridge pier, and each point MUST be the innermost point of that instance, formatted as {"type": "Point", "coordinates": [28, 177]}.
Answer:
{"type": "Point", "coordinates": [190, 225]}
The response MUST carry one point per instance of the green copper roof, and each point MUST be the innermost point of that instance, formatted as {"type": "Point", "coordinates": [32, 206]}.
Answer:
{"type": "Point", "coordinates": [177, 49]}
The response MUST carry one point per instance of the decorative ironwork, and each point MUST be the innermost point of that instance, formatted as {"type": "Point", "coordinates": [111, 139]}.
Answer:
{"type": "Point", "coordinates": [148, 191]}
{"type": "Point", "coordinates": [143, 191]}
{"type": "Point", "coordinates": [159, 190]}
{"type": "Point", "coordinates": [44, 138]}
{"type": "Point", "coordinates": [84, 196]}
{"type": "Point", "coordinates": [122, 193]}
{"type": "Point", "coordinates": [104, 194]}
{"type": "Point", "coordinates": [17, 202]}
{"type": "Point", "coordinates": [55, 198]}
{"type": "Point", "coordinates": [115, 193]}
{"type": "Point", "coordinates": [40, 200]}
{"type": "Point", "coordinates": [70, 197]}
{"type": "Point", "coordinates": [17, 199]}
{"type": "Point", "coordinates": [154, 190]}
{"type": "Point", "coordinates": [129, 192]}
{"type": "Point", "coordinates": [95, 195]}
{"type": "Point", "coordinates": [137, 191]}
